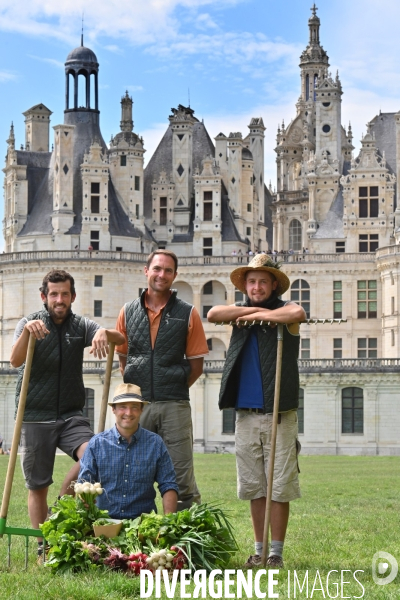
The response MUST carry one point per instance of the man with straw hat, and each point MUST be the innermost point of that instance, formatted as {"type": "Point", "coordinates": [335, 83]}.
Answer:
{"type": "Point", "coordinates": [248, 384]}
{"type": "Point", "coordinates": [128, 460]}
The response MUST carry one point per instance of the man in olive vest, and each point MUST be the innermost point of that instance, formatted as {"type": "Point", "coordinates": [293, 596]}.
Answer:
{"type": "Point", "coordinates": [163, 354]}
{"type": "Point", "coordinates": [56, 394]}
{"type": "Point", "coordinates": [248, 384]}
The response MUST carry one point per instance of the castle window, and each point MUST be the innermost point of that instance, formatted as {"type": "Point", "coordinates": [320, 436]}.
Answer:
{"type": "Point", "coordinates": [123, 160]}
{"type": "Point", "coordinates": [95, 239]}
{"type": "Point", "coordinates": [295, 235]}
{"type": "Point", "coordinates": [228, 420]}
{"type": "Point", "coordinates": [249, 208]}
{"type": "Point", "coordinates": [248, 230]}
{"type": "Point", "coordinates": [208, 288]}
{"type": "Point", "coordinates": [352, 410]}
{"type": "Point", "coordinates": [340, 246]}
{"type": "Point", "coordinates": [300, 293]}
{"type": "Point", "coordinates": [88, 409]}
{"type": "Point", "coordinates": [98, 308]}
{"type": "Point", "coordinates": [368, 201]}
{"type": "Point", "coordinates": [137, 183]}
{"type": "Point", "coordinates": [315, 84]}
{"type": "Point", "coordinates": [305, 347]}
{"type": "Point", "coordinates": [367, 295]}
{"type": "Point", "coordinates": [207, 206]}
{"type": "Point", "coordinates": [206, 309]}
{"type": "Point", "coordinates": [367, 348]}
{"type": "Point", "coordinates": [300, 411]}
{"type": "Point", "coordinates": [207, 246]}
{"type": "Point", "coordinates": [163, 210]}
{"type": "Point", "coordinates": [368, 242]}
{"type": "Point", "coordinates": [337, 347]}
{"type": "Point", "coordinates": [137, 211]}
{"type": "Point", "coordinates": [98, 281]}
{"type": "Point", "coordinates": [307, 87]}
{"type": "Point", "coordinates": [337, 299]}
{"type": "Point", "coordinates": [239, 296]}
{"type": "Point", "coordinates": [95, 197]}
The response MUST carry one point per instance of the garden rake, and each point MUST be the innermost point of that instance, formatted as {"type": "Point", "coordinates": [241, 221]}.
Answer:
{"type": "Point", "coordinates": [25, 531]}
{"type": "Point", "coordinates": [4, 529]}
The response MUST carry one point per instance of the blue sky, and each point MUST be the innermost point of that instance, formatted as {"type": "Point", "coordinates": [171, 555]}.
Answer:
{"type": "Point", "coordinates": [238, 58]}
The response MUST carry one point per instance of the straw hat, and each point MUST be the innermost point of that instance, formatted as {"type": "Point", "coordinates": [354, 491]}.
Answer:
{"type": "Point", "coordinates": [260, 262]}
{"type": "Point", "coordinates": [127, 392]}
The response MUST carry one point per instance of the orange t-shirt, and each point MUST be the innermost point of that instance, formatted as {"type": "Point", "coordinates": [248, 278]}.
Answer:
{"type": "Point", "coordinates": [196, 343]}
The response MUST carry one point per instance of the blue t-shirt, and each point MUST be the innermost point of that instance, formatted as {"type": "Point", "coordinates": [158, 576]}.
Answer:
{"type": "Point", "coordinates": [250, 391]}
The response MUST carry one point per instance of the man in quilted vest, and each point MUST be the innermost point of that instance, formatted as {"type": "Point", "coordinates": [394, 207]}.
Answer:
{"type": "Point", "coordinates": [248, 384]}
{"type": "Point", "coordinates": [163, 355]}
{"type": "Point", "coordinates": [56, 394]}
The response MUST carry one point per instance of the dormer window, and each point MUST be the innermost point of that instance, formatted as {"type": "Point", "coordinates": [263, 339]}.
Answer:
{"type": "Point", "coordinates": [95, 197]}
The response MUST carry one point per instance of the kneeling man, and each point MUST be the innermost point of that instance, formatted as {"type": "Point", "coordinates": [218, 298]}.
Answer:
{"type": "Point", "coordinates": [127, 460]}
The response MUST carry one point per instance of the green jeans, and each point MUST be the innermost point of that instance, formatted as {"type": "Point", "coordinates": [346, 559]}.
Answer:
{"type": "Point", "coordinates": [173, 422]}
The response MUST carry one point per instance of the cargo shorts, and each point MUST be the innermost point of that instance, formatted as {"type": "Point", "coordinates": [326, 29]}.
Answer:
{"type": "Point", "coordinates": [39, 442]}
{"type": "Point", "coordinates": [253, 444]}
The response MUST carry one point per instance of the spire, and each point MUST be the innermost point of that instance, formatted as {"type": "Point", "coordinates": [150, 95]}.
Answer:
{"type": "Point", "coordinates": [314, 10]}
{"type": "Point", "coordinates": [82, 32]}
{"type": "Point", "coordinates": [11, 137]}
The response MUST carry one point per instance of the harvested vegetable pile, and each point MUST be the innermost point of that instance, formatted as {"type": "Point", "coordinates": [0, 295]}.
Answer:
{"type": "Point", "coordinates": [197, 538]}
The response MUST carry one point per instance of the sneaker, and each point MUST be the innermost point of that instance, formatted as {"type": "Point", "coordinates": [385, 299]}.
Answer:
{"type": "Point", "coordinates": [275, 561]}
{"type": "Point", "coordinates": [253, 561]}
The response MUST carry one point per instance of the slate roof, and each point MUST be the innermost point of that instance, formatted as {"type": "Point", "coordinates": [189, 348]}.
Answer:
{"type": "Point", "coordinates": [332, 226]}
{"type": "Point", "coordinates": [229, 230]}
{"type": "Point", "coordinates": [40, 191]}
{"type": "Point", "coordinates": [162, 159]}
{"type": "Point", "coordinates": [268, 215]}
{"type": "Point", "coordinates": [383, 126]}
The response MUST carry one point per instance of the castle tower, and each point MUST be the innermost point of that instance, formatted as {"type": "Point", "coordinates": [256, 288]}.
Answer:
{"type": "Point", "coordinates": [63, 182]}
{"type": "Point", "coordinates": [126, 154]}
{"type": "Point", "coordinates": [314, 61]}
{"type": "Point", "coordinates": [182, 121]}
{"type": "Point", "coordinates": [37, 125]}
{"type": "Point", "coordinates": [15, 194]}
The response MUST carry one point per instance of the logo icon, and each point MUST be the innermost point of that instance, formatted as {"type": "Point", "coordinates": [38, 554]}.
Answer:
{"type": "Point", "coordinates": [381, 562]}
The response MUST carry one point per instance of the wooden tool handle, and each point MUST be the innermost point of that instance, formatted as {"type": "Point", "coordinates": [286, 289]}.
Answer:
{"type": "Point", "coordinates": [106, 388]}
{"type": "Point", "coordinates": [18, 427]}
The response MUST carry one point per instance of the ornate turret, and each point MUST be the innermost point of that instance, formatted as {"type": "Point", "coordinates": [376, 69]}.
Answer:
{"type": "Point", "coordinates": [314, 61]}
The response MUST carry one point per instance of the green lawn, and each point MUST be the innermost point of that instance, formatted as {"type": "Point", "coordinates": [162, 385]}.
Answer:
{"type": "Point", "coordinates": [349, 510]}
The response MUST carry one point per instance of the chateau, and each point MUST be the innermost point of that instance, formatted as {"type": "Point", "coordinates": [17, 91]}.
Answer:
{"type": "Point", "coordinates": [72, 201]}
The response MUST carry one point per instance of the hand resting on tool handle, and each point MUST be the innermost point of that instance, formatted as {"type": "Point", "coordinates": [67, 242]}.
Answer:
{"type": "Point", "coordinates": [37, 328]}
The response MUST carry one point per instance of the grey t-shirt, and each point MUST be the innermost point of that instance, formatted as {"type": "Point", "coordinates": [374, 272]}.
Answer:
{"type": "Point", "coordinates": [91, 328]}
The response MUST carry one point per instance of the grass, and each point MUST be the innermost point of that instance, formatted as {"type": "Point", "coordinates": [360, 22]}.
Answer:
{"type": "Point", "coordinates": [349, 510]}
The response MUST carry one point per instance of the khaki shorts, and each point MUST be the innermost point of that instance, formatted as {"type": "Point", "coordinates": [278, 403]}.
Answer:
{"type": "Point", "coordinates": [39, 442]}
{"type": "Point", "coordinates": [253, 442]}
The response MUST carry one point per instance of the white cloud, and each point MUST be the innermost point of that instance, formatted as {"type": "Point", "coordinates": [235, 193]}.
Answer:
{"type": "Point", "coordinates": [138, 22]}
{"type": "Point", "coordinates": [50, 61]}
{"type": "Point", "coordinates": [6, 76]}
{"type": "Point", "coordinates": [135, 88]}
{"type": "Point", "coordinates": [204, 21]}
{"type": "Point", "coordinates": [113, 48]}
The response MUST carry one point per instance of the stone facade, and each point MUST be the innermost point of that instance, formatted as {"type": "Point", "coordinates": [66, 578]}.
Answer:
{"type": "Point", "coordinates": [334, 221]}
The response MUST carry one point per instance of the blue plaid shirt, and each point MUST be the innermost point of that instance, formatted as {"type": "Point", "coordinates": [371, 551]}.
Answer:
{"type": "Point", "coordinates": [127, 472]}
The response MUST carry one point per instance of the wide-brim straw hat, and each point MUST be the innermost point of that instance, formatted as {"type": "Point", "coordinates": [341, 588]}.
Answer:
{"type": "Point", "coordinates": [260, 262]}
{"type": "Point", "coordinates": [127, 392]}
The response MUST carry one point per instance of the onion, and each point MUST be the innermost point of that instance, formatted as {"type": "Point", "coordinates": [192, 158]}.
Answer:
{"type": "Point", "coordinates": [155, 564]}
{"type": "Point", "coordinates": [168, 565]}
{"type": "Point", "coordinates": [99, 491]}
{"type": "Point", "coordinates": [97, 485]}
{"type": "Point", "coordinates": [162, 561]}
{"type": "Point", "coordinates": [162, 552]}
{"type": "Point", "coordinates": [169, 557]}
{"type": "Point", "coordinates": [155, 555]}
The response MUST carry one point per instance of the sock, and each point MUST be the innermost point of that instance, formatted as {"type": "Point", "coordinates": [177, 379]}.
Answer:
{"type": "Point", "coordinates": [276, 548]}
{"type": "Point", "coordinates": [258, 547]}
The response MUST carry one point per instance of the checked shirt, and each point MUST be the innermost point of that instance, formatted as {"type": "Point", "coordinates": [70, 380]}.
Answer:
{"type": "Point", "coordinates": [127, 472]}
